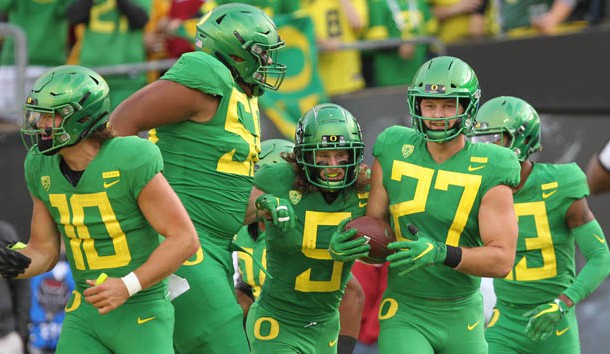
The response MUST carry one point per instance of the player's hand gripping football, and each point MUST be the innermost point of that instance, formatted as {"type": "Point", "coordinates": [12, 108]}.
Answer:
{"type": "Point", "coordinates": [12, 263]}
{"type": "Point", "coordinates": [343, 249]}
{"type": "Point", "coordinates": [412, 255]}
{"type": "Point", "coordinates": [280, 210]}
{"type": "Point", "coordinates": [544, 319]}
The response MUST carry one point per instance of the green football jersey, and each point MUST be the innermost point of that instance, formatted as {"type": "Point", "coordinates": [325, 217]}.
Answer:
{"type": "Point", "coordinates": [412, 18]}
{"type": "Point", "coordinates": [45, 26]}
{"type": "Point", "coordinates": [544, 263]}
{"type": "Point", "coordinates": [307, 285]}
{"type": "Point", "coordinates": [100, 220]}
{"type": "Point", "coordinates": [251, 273]}
{"type": "Point", "coordinates": [211, 165]}
{"type": "Point", "coordinates": [442, 200]}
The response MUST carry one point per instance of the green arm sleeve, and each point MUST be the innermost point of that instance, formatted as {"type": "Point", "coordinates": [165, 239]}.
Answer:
{"type": "Point", "coordinates": [592, 243]}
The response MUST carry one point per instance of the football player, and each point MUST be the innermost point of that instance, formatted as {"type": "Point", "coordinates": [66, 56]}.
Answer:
{"type": "Point", "coordinates": [534, 312]}
{"type": "Point", "coordinates": [108, 199]}
{"type": "Point", "coordinates": [326, 183]}
{"type": "Point", "coordinates": [206, 119]}
{"type": "Point", "coordinates": [251, 238]}
{"type": "Point", "coordinates": [450, 204]}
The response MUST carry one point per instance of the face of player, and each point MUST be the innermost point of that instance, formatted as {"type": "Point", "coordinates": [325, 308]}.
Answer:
{"type": "Point", "coordinates": [332, 158]}
{"type": "Point", "coordinates": [46, 122]}
{"type": "Point", "coordinates": [440, 108]}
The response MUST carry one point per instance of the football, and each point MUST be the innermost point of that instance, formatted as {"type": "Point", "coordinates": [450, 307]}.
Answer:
{"type": "Point", "coordinates": [379, 235]}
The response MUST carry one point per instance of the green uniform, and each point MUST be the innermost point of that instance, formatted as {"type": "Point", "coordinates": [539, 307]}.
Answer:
{"type": "Point", "coordinates": [544, 263]}
{"type": "Point", "coordinates": [250, 271]}
{"type": "Point", "coordinates": [211, 166]}
{"type": "Point", "coordinates": [109, 28]}
{"type": "Point", "coordinates": [45, 27]}
{"type": "Point", "coordinates": [412, 19]}
{"type": "Point", "coordinates": [443, 201]}
{"type": "Point", "coordinates": [298, 309]}
{"type": "Point", "coordinates": [105, 231]}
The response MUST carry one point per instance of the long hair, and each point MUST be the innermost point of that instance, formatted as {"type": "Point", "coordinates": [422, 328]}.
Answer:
{"type": "Point", "coordinates": [302, 185]}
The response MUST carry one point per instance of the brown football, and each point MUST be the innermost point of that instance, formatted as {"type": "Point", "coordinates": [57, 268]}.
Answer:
{"type": "Point", "coordinates": [379, 235]}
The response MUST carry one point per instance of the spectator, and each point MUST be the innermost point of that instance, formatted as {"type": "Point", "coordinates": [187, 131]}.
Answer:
{"type": "Point", "coordinates": [598, 171]}
{"type": "Point", "coordinates": [373, 279]}
{"type": "Point", "coordinates": [50, 294]}
{"type": "Point", "coordinates": [14, 303]}
{"type": "Point", "coordinates": [404, 20]}
{"type": "Point", "coordinates": [338, 22]}
{"type": "Point", "coordinates": [116, 25]}
{"type": "Point", "coordinates": [535, 309]}
{"type": "Point", "coordinates": [45, 26]}
{"type": "Point", "coordinates": [548, 17]}
{"type": "Point", "coordinates": [460, 20]}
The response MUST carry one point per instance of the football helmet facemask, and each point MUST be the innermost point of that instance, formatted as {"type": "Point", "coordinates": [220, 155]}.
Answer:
{"type": "Point", "coordinates": [445, 77]}
{"type": "Point", "coordinates": [246, 40]}
{"type": "Point", "coordinates": [510, 122]}
{"type": "Point", "coordinates": [76, 94]}
{"type": "Point", "coordinates": [328, 127]}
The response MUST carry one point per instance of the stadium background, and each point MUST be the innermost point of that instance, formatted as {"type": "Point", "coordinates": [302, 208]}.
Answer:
{"type": "Point", "coordinates": [565, 77]}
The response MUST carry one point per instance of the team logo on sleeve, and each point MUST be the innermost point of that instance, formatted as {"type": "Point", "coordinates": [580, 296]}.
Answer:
{"type": "Point", "coordinates": [45, 181]}
{"type": "Point", "coordinates": [407, 150]}
{"type": "Point", "coordinates": [294, 196]}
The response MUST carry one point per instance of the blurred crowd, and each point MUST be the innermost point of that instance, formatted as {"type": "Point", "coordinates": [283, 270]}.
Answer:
{"type": "Point", "coordinates": [326, 55]}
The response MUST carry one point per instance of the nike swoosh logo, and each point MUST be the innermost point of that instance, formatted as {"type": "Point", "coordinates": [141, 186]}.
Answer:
{"type": "Point", "coordinates": [559, 333]}
{"type": "Point", "coordinates": [600, 239]}
{"type": "Point", "coordinates": [552, 308]}
{"type": "Point", "coordinates": [332, 343]}
{"type": "Point", "coordinates": [142, 321]}
{"type": "Point", "coordinates": [108, 185]}
{"type": "Point", "coordinates": [426, 251]}
{"type": "Point", "coordinates": [361, 204]}
{"type": "Point", "coordinates": [472, 326]}
{"type": "Point", "coordinates": [475, 168]}
{"type": "Point", "coordinates": [546, 195]}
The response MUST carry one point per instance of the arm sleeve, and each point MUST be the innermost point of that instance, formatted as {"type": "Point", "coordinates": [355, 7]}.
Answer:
{"type": "Point", "coordinates": [136, 15]}
{"type": "Point", "coordinates": [592, 243]}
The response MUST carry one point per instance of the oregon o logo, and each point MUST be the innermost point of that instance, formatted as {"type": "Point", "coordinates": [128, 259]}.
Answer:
{"type": "Point", "coordinates": [390, 306]}
{"type": "Point", "coordinates": [273, 328]}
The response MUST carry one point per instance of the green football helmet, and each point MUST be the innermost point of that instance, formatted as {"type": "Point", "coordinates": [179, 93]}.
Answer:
{"type": "Point", "coordinates": [246, 40]}
{"type": "Point", "coordinates": [75, 93]}
{"type": "Point", "coordinates": [328, 127]}
{"type": "Point", "coordinates": [271, 152]}
{"type": "Point", "coordinates": [510, 122]}
{"type": "Point", "coordinates": [445, 77]}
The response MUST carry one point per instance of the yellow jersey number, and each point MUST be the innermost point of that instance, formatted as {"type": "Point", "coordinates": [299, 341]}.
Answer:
{"type": "Point", "coordinates": [98, 20]}
{"type": "Point", "coordinates": [304, 282]}
{"type": "Point", "coordinates": [79, 235]}
{"type": "Point", "coordinates": [227, 162]}
{"type": "Point", "coordinates": [444, 179]}
{"type": "Point", "coordinates": [542, 242]}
